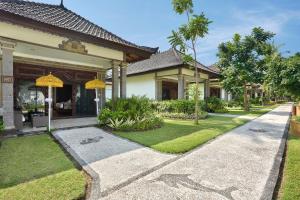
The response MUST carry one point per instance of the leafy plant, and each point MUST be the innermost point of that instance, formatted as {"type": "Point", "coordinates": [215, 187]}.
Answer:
{"type": "Point", "coordinates": [138, 124]}
{"type": "Point", "coordinates": [2, 126]}
{"type": "Point", "coordinates": [135, 113]}
{"type": "Point", "coordinates": [215, 104]}
{"type": "Point", "coordinates": [187, 37]}
{"type": "Point", "coordinates": [201, 115]}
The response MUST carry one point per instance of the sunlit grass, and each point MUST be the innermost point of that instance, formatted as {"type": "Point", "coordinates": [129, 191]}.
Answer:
{"type": "Point", "coordinates": [179, 136]}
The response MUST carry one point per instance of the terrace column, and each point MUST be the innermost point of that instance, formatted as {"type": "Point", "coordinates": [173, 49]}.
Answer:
{"type": "Point", "coordinates": [115, 80]}
{"type": "Point", "coordinates": [158, 89]}
{"type": "Point", "coordinates": [102, 97]}
{"type": "Point", "coordinates": [181, 84]}
{"type": "Point", "coordinates": [226, 95]}
{"type": "Point", "coordinates": [123, 76]}
{"type": "Point", "coordinates": [7, 84]}
{"type": "Point", "coordinates": [206, 89]}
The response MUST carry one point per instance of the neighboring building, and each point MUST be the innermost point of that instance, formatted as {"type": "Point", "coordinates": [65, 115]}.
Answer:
{"type": "Point", "coordinates": [165, 76]}
{"type": "Point", "coordinates": [36, 39]}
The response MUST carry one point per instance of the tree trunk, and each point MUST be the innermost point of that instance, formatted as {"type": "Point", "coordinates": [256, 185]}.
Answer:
{"type": "Point", "coordinates": [262, 97]}
{"type": "Point", "coordinates": [197, 87]}
{"type": "Point", "coordinates": [246, 101]}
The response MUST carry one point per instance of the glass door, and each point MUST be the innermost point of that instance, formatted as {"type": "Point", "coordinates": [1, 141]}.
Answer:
{"type": "Point", "coordinates": [85, 104]}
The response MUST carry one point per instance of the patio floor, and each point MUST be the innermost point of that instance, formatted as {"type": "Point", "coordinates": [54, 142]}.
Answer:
{"type": "Point", "coordinates": [65, 124]}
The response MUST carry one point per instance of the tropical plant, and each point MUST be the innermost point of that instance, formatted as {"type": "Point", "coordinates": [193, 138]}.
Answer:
{"type": "Point", "coordinates": [186, 38]}
{"type": "Point", "coordinates": [134, 113]}
{"type": "Point", "coordinates": [2, 126]}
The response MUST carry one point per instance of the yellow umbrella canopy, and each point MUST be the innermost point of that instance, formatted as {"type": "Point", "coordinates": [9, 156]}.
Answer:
{"type": "Point", "coordinates": [95, 84]}
{"type": "Point", "coordinates": [49, 81]}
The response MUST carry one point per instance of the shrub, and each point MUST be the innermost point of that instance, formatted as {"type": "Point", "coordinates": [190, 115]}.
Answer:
{"type": "Point", "coordinates": [174, 106]}
{"type": "Point", "coordinates": [296, 118]}
{"type": "Point", "coordinates": [139, 124]}
{"type": "Point", "coordinates": [135, 113]}
{"type": "Point", "coordinates": [202, 115]}
{"type": "Point", "coordinates": [215, 104]}
{"type": "Point", "coordinates": [2, 126]}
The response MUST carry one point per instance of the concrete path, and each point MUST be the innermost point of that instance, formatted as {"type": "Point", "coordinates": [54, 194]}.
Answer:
{"type": "Point", "coordinates": [242, 164]}
{"type": "Point", "coordinates": [111, 161]}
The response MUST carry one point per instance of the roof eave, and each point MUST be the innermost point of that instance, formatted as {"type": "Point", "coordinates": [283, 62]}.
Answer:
{"type": "Point", "coordinates": [30, 23]}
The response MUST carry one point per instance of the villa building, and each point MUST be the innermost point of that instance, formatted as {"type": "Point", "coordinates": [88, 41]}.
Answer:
{"type": "Point", "coordinates": [37, 38]}
{"type": "Point", "coordinates": [165, 76]}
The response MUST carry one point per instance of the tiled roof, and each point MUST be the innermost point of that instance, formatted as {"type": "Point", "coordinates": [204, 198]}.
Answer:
{"type": "Point", "coordinates": [215, 68]}
{"type": "Point", "coordinates": [59, 16]}
{"type": "Point", "coordinates": [162, 60]}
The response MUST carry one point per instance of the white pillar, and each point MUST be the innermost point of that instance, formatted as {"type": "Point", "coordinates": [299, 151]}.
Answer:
{"type": "Point", "coordinates": [206, 89]}
{"type": "Point", "coordinates": [123, 76]}
{"type": "Point", "coordinates": [115, 81]}
{"type": "Point", "coordinates": [223, 94]}
{"type": "Point", "coordinates": [158, 89]}
{"type": "Point", "coordinates": [181, 85]}
{"type": "Point", "coordinates": [7, 80]}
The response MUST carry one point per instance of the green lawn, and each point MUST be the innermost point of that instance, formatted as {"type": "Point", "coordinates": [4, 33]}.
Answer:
{"type": "Point", "coordinates": [290, 187]}
{"type": "Point", "coordinates": [179, 136]}
{"type": "Point", "coordinates": [34, 167]}
{"type": "Point", "coordinates": [255, 111]}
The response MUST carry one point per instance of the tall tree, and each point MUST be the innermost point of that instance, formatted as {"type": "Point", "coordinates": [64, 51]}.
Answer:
{"type": "Point", "coordinates": [291, 75]}
{"type": "Point", "coordinates": [242, 62]}
{"type": "Point", "coordinates": [186, 38]}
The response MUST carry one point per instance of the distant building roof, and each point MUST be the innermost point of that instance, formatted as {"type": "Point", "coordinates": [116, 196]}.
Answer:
{"type": "Point", "coordinates": [166, 59]}
{"type": "Point", "coordinates": [59, 16]}
{"type": "Point", "coordinates": [215, 68]}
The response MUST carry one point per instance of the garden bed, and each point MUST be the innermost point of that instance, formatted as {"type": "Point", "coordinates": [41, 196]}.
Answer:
{"type": "Point", "coordinates": [34, 167]}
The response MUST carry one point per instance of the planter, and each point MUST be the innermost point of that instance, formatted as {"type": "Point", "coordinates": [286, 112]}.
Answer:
{"type": "Point", "coordinates": [298, 110]}
{"type": "Point", "coordinates": [295, 127]}
{"type": "Point", "coordinates": [294, 111]}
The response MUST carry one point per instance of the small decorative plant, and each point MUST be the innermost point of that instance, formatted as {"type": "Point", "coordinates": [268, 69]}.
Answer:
{"type": "Point", "coordinates": [131, 114]}
{"type": "Point", "coordinates": [2, 126]}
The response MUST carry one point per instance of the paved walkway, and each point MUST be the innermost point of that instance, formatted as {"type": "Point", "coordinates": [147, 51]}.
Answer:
{"type": "Point", "coordinates": [110, 160]}
{"type": "Point", "coordinates": [242, 164]}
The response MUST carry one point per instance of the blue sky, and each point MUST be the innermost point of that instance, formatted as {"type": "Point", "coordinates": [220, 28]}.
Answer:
{"type": "Point", "coordinates": [150, 22]}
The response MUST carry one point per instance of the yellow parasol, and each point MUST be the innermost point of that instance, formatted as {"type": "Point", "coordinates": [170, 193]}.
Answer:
{"type": "Point", "coordinates": [95, 85]}
{"type": "Point", "coordinates": [49, 81]}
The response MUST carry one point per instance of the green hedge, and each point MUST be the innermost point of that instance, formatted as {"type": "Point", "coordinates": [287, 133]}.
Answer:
{"type": "Point", "coordinates": [212, 104]}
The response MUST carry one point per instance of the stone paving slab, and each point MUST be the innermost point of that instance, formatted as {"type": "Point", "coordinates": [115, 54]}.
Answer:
{"type": "Point", "coordinates": [109, 159]}
{"type": "Point", "coordinates": [242, 164]}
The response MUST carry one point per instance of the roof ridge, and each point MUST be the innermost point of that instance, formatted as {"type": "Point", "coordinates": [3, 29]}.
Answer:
{"type": "Point", "coordinates": [33, 2]}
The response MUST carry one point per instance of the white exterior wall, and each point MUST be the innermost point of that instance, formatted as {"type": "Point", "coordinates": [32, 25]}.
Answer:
{"type": "Point", "coordinates": [223, 94]}
{"type": "Point", "coordinates": [141, 85]}
{"type": "Point", "coordinates": [108, 91]}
